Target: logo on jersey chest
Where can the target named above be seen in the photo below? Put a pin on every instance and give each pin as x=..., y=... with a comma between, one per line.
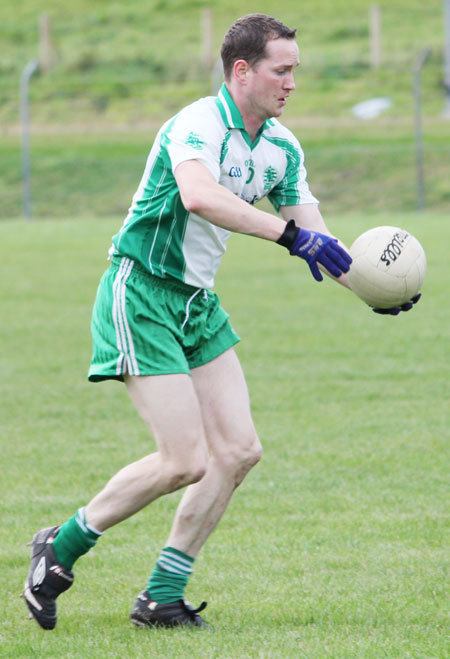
x=251, y=170
x=236, y=172
x=270, y=174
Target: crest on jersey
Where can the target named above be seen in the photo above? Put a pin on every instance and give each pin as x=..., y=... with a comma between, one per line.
x=195, y=141
x=270, y=176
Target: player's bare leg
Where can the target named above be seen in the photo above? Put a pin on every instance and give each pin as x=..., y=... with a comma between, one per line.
x=233, y=449
x=179, y=412
x=171, y=409
x=203, y=430
x=168, y=404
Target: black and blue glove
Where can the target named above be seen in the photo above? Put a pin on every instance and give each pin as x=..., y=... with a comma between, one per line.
x=315, y=248
x=394, y=311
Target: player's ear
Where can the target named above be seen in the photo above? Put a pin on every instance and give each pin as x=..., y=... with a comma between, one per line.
x=240, y=70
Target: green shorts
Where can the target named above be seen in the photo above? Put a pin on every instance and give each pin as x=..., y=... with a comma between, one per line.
x=145, y=325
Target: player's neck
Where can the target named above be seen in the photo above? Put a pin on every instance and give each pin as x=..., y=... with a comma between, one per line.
x=252, y=121
x=252, y=125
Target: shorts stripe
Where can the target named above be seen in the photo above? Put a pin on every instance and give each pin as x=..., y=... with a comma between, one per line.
x=124, y=339
x=188, y=305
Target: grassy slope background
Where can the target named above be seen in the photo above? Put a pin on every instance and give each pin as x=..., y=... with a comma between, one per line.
x=121, y=68
x=336, y=546
x=148, y=56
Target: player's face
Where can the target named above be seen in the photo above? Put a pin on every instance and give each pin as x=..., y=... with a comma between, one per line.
x=272, y=79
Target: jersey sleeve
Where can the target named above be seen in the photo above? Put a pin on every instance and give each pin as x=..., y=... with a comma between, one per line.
x=193, y=135
x=293, y=189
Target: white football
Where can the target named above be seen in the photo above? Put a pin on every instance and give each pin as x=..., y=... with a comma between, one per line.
x=388, y=267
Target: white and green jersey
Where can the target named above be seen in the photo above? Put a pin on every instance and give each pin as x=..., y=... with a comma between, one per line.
x=167, y=240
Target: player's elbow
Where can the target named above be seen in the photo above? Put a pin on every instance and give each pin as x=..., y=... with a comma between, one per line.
x=193, y=202
x=196, y=186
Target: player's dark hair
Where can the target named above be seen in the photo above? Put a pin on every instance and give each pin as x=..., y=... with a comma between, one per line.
x=247, y=38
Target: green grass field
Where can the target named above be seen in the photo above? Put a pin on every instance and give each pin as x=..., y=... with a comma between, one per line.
x=337, y=543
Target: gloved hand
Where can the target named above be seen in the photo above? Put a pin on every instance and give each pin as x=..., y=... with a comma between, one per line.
x=315, y=248
x=394, y=311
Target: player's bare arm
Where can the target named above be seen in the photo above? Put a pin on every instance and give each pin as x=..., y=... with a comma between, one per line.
x=202, y=195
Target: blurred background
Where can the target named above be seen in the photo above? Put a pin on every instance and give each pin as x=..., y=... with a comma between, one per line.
x=85, y=85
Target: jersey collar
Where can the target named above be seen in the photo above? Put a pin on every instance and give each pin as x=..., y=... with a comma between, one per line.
x=232, y=117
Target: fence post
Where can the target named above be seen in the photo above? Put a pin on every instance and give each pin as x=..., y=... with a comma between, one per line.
x=447, y=58
x=207, y=38
x=45, y=45
x=417, y=88
x=375, y=36
x=28, y=71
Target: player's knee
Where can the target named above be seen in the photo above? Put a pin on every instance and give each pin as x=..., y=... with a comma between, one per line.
x=250, y=457
x=186, y=471
x=243, y=457
x=195, y=472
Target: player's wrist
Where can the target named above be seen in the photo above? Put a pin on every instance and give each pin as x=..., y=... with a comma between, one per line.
x=289, y=235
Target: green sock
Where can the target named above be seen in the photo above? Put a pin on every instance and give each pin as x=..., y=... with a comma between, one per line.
x=170, y=576
x=74, y=539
